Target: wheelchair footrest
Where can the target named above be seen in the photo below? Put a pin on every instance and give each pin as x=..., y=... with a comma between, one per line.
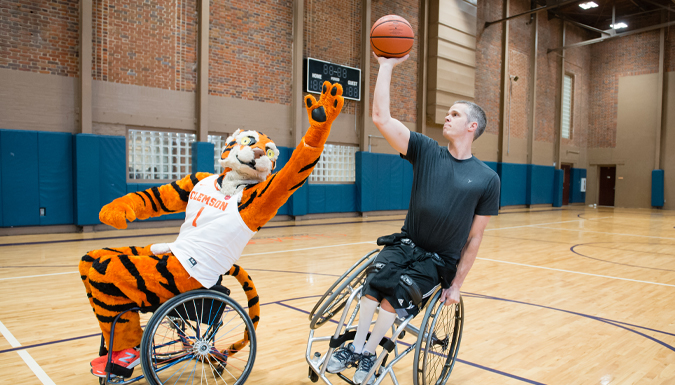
x=119, y=370
x=385, y=342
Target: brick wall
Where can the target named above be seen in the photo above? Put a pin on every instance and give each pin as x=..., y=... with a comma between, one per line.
x=40, y=37
x=627, y=56
x=669, y=65
x=251, y=50
x=548, y=79
x=489, y=63
x=404, y=80
x=137, y=42
x=333, y=34
x=578, y=64
x=521, y=40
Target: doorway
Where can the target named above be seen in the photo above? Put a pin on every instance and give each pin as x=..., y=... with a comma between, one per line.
x=607, y=185
x=567, y=178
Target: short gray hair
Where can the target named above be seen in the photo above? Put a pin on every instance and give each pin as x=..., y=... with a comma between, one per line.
x=475, y=113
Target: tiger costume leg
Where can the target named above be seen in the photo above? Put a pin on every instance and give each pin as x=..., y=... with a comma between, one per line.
x=120, y=279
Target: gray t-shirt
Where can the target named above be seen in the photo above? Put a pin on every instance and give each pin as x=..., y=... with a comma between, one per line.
x=446, y=194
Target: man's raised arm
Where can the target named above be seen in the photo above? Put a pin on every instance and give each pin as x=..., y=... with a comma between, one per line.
x=393, y=130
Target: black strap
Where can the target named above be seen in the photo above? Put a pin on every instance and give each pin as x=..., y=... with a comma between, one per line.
x=413, y=290
x=119, y=370
x=385, y=342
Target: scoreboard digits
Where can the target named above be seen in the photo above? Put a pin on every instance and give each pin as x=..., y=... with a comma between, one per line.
x=319, y=71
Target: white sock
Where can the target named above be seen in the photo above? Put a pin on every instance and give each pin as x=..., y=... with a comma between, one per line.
x=366, y=313
x=384, y=321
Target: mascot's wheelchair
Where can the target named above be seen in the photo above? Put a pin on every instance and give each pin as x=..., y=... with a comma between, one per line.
x=194, y=337
x=438, y=336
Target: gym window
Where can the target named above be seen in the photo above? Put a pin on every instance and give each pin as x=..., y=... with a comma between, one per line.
x=336, y=165
x=165, y=156
x=567, y=106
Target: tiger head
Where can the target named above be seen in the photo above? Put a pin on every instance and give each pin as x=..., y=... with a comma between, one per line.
x=251, y=154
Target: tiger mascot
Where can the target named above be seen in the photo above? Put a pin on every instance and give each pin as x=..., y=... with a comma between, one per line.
x=222, y=213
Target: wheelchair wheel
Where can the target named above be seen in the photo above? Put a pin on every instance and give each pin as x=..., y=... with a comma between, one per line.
x=438, y=342
x=335, y=298
x=197, y=337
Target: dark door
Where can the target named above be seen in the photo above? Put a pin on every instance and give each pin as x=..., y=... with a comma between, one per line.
x=567, y=168
x=607, y=183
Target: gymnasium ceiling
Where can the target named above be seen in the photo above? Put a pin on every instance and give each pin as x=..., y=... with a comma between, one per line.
x=635, y=13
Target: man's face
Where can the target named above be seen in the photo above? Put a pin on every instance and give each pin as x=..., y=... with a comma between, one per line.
x=456, y=123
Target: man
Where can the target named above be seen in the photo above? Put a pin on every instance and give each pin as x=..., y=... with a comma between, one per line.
x=452, y=197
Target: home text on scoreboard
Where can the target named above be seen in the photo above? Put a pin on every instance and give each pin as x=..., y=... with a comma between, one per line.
x=319, y=71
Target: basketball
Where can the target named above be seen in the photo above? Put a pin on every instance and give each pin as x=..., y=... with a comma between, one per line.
x=391, y=36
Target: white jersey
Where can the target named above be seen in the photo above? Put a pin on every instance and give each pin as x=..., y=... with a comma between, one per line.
x=213, y=236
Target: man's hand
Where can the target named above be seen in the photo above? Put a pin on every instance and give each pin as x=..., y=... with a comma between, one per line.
x=450, y=296
x=394, y=61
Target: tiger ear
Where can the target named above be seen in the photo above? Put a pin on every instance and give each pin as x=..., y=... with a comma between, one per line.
x=233, y=136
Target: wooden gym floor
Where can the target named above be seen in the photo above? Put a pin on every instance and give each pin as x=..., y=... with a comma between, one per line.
x=557, y=296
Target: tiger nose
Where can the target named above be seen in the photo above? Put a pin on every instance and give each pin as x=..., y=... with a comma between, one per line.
x=257, y=153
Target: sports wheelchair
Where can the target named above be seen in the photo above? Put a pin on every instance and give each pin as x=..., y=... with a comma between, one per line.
x=435, y=349
x=194, y=337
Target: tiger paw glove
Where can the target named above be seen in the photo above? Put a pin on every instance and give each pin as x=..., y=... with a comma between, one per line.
x=117, y=212
x=322, y=113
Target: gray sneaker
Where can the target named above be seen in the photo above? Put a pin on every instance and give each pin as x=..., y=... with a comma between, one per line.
x=365, y=364
x=342, y=358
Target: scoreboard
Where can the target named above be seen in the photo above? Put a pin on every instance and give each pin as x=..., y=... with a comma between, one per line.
x=319, y=71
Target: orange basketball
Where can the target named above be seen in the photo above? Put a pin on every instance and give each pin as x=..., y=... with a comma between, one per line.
x=391, y=36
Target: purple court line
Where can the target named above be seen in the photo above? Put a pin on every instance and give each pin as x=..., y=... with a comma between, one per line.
x=600, y=319
x=617, y=263
x=264, y=228
x=99, y=334
x=460, y=360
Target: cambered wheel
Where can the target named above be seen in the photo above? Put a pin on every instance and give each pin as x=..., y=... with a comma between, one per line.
x=336, y=296
x=197, y=337
x=438, y=342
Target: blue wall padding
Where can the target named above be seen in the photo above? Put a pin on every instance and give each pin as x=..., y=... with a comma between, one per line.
x=558, y=179
x=86, y=179
x=383, y=182
x=331, y=198
x=112, y=166
x=513, y=183
x=20, y=182
x=284, y=156
x=202, y=157
x=492, y=165
x=658, y=183
x=576, y=195
x=99, y=174
x=55, y=164
x=539, y=184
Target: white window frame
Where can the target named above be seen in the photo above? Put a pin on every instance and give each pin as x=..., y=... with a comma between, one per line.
x=567, y=126
x=170, y=152
x=337, y=165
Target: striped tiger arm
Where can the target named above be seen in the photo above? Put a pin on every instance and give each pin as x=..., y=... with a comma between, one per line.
x=153, y=202
x=261, y=202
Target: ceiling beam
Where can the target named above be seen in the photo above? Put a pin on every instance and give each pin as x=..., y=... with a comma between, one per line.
x=489, y=23
x=601, y=39
x=660, y=6
x=584, y=25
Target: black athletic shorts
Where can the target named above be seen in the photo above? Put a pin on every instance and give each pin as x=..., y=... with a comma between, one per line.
x=399, y=259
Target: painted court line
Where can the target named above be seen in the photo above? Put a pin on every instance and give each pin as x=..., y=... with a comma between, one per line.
x=41, y=375
x=541, y=224
x=308, y=248
x=41, y=275
x=577, y=272
x=601, y=232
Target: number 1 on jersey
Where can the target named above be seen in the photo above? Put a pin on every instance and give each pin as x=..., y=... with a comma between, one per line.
x=194, y=222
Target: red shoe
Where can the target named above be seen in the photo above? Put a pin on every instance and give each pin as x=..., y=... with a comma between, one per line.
x=127, y=358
